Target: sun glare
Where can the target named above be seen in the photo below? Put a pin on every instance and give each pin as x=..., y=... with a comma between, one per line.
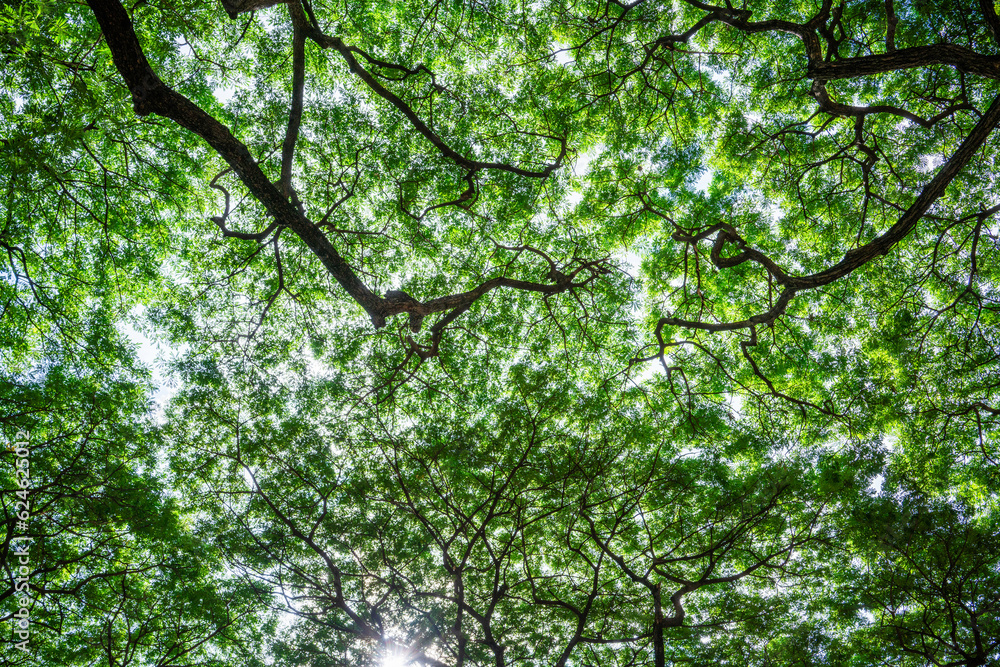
x=394, y=659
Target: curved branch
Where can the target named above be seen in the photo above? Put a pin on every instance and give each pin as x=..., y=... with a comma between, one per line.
x=347, y=51
x=767, y=317
x=959, y=57
x=930, y=193
x=853, y=259
x=298, y=87
x=220, y=220
x=834, y=108
x=991, y=18
x=151, y=96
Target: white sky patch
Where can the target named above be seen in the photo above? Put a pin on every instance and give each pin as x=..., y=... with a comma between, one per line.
x=394, y=657
x=8, y=276
x=876, y=486
x=631, y=261
x=735, y=402
x=929, y=163
x=646, y=372
x=701, y=185
x=150, y=354
x=183, y=47
x=718, y=76
x=248, y=478
x=581, y=167
x=562, y=53
x=223, y=94
x=890, y=441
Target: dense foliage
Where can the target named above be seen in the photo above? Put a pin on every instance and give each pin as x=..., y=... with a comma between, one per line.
x=495, y=333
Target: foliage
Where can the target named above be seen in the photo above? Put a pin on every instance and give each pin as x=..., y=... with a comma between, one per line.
x=566, y=333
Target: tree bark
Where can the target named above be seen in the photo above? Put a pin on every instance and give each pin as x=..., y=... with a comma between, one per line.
x=236, y=7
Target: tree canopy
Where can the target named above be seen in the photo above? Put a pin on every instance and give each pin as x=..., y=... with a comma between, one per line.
x=501, y=333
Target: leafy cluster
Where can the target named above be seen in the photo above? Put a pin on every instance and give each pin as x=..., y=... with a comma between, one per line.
x=561, y=333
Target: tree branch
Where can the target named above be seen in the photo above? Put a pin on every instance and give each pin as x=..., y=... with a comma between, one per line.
x=959, y=57
x=151, y=96
x=298, y=87
x=853, y=259
x=326, y=41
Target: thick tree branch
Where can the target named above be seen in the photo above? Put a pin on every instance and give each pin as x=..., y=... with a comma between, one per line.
x=298, y=88
x=930, y=193
x=151, y=96
x=830, y=67
x=853, y=259
x=960, y=57
x=890, y=26
x=989, y=12
x=834, y=108
x=326, y=41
